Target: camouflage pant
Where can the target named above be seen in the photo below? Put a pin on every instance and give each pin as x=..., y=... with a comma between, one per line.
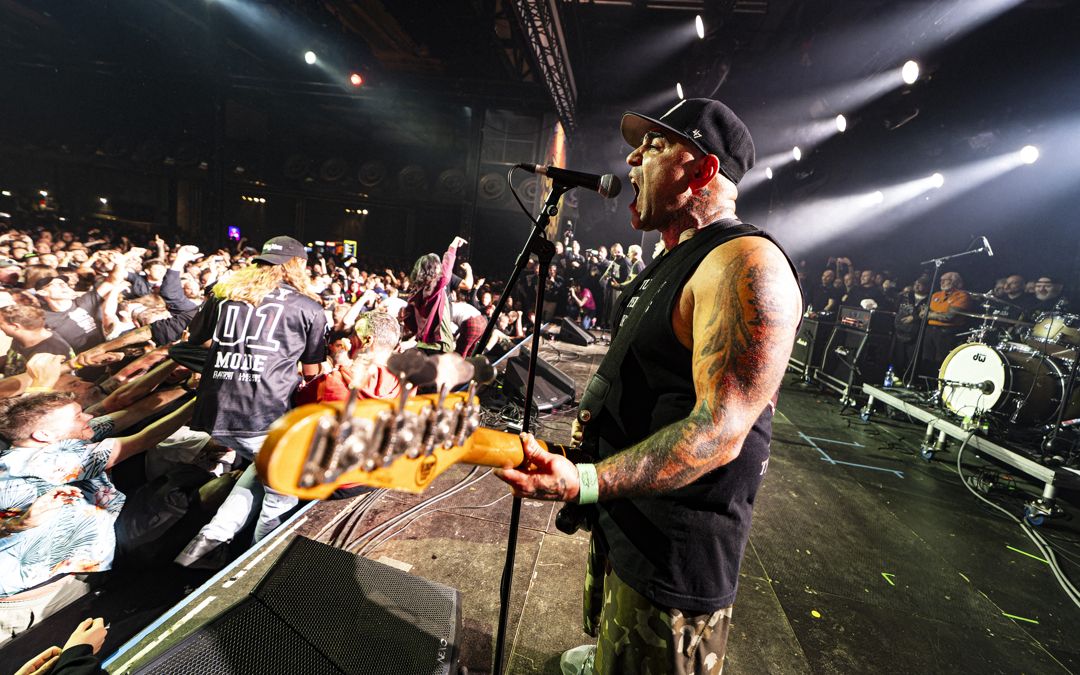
x=635, y=636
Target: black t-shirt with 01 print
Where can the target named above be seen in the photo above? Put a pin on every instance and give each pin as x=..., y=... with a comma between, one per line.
x=251, y=368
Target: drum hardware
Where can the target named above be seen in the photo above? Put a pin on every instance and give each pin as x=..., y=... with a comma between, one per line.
x=1056, y=334
x=992, y=318
x=1026, y=387
x=986, y=386
x=1068, y=395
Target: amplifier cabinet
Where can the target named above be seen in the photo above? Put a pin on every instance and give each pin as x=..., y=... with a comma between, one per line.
x=809, y=346
x=852, y=357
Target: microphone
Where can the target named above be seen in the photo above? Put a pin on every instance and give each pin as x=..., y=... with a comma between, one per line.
x=607, y=185
x=986, y=245
x=986, y=387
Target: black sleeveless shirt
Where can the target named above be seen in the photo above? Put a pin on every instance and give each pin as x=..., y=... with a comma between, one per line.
x=680, y=549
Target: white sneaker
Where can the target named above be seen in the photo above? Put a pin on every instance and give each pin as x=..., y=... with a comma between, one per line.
x=578, y=661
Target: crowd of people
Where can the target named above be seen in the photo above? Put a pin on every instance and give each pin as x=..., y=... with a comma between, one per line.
x=139, y=380
x=949, y=312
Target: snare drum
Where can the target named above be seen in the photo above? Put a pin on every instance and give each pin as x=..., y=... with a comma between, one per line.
x=1011, y=379
x=1057, y=335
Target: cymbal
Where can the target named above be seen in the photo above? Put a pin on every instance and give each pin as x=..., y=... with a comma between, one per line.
x=992, y=317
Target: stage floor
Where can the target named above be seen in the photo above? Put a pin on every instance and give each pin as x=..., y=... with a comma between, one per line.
x=863, y=557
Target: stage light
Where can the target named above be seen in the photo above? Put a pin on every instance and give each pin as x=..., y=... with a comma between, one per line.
x=937, y=180
x=768, y=172
x=841, y=123
x=43, y=193
x=6, y=193
x=876, y=197
x=796, y=153
x=1028, y=154
x=910, y=72
x=356, y=79
x=679, y=91
x=104, y=201
x=364, y=212
x=310, y=58
x=699, y=25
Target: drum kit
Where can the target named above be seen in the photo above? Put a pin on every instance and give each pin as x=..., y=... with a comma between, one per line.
x=1017, y=374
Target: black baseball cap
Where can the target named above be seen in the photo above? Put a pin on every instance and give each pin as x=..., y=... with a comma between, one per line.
x=280, y=250
x=709, y=125
x=45, y=281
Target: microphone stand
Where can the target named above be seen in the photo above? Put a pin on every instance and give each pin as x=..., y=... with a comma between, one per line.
x=937, y=263
x=544, y=251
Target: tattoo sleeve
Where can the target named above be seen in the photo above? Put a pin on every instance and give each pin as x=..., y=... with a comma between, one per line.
x=745, y=315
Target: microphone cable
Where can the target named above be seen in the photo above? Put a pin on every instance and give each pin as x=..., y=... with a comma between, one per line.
x=1044, y=547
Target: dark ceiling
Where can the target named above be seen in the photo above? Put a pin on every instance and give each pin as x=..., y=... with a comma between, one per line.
x=95, y=73
x=621, y=53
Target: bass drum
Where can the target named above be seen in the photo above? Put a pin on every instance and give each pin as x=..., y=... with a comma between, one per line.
x=1011, y=379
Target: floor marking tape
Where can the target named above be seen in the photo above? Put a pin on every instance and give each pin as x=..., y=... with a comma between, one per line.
x=888, y=577
x=1030, y=555
x=1019, y=618
x=835, y=441
x=826, y=458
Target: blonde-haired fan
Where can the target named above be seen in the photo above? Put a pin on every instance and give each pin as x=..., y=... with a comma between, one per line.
x=260, y=323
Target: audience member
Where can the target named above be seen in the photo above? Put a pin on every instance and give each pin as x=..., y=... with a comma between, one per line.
x=62, y=515
x=426, y=315
x=264, y=326
x=944, y=323
x=910, y=314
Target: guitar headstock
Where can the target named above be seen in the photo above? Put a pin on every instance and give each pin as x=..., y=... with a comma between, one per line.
x=403, y=444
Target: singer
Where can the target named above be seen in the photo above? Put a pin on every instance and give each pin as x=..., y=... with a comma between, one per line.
x=679, y=414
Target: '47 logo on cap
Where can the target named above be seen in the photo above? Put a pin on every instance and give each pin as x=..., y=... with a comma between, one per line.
x=696, y=133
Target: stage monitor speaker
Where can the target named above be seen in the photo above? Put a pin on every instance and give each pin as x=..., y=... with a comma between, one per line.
x=574, y=334
x=853, y=357
x=552, y=388
x=324, y=610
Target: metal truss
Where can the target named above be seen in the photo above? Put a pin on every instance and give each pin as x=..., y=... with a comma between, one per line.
x=539, y=22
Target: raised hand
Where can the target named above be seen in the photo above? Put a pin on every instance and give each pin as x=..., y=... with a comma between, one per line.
x=44, y=369
x=40, y=664
x=90, y=632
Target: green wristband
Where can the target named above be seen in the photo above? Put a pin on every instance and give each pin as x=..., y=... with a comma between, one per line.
x=589, y=486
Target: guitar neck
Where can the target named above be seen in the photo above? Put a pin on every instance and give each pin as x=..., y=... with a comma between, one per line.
x=488, y=447
x=311, y=450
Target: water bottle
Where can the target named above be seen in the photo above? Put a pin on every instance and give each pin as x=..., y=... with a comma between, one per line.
x=890, y=377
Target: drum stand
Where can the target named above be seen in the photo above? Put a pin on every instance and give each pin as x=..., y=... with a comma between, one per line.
x=1050, y=439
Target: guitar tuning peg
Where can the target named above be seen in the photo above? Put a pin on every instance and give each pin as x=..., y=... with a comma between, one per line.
x=452, y=370
x=413, y=367
x=483, y=371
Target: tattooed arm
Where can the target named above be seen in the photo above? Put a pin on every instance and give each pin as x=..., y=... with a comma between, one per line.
x=743, y=306
x=738, y=314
